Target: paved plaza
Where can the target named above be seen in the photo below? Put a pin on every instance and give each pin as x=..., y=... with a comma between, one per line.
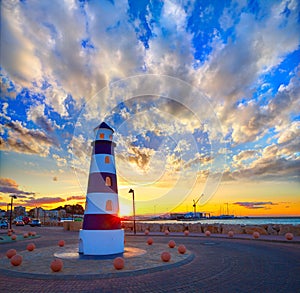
x=211, y=264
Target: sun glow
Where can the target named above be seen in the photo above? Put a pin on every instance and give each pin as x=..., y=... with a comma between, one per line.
x=125, y=210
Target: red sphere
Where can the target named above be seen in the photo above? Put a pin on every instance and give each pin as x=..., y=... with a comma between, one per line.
x=186, y=232
x=172, y=244
x=119, y=263
x=61, y=243
x=25, y=235
x=150, y=241
x=230, y=234
x=289, y=236
x=29, y=233
x=33, y=233
x=165, y=256
x=255, y=235
x=9, y=233
x=13, y=237
x=181, y=249
x=10, y=253
x=207, y=233
x=147, y=232
x=16, y=260
x=167, y=232
x=56, y=265
x=30, y=247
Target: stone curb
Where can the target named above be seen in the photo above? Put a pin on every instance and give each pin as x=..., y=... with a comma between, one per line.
x=119, y=274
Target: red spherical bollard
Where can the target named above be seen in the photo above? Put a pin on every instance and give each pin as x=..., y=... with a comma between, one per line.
x=167, y=232
x=119, y=263
x=207, y=233
x=230, y=234
x=9, y=233
x=25, y=235
x=150, y=241
x=10, y=253
x=172, y=244
x=13, y=237
x=33, y=233
x=186, y=232
x=181, y=249
x=61, y=243
x=56, y=265
x=255, y=235
x=30, y=247
x=29, y=233
x=165, y=256
x=289, y=236
x=16, y=260
x=147, y=232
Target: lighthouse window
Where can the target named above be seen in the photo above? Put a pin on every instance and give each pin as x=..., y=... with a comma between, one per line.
x=108, y=181
x=101, y=135
x=107, y=160
x=110, y=137
x=108, y=206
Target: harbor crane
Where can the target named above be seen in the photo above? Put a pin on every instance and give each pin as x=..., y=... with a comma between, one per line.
x=195, y=203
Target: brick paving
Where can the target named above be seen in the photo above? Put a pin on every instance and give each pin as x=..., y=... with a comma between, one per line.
x=219, y=265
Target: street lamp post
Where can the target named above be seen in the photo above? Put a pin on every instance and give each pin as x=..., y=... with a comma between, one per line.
x=133, y=207
x=11, y=206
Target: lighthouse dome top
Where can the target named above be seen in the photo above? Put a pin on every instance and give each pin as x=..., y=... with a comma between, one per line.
x=103, y=125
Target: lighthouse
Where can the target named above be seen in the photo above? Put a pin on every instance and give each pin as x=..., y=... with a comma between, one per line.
x=101, y=233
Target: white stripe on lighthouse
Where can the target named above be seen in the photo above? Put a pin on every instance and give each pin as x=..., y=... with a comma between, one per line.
x=103, y=163
x=98, y=202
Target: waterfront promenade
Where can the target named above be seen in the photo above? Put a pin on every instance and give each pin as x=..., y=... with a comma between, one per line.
x=219, y=264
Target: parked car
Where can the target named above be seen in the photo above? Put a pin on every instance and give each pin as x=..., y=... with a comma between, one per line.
x=3, y=224
x=19, y=223
x=35, y=223
x=26, y=220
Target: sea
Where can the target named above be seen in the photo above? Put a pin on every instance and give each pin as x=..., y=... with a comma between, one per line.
x=235, y=221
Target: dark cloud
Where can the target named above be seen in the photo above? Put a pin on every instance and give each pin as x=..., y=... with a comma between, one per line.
x=43, y=201
x=35, y=134
x=267, y=168
x=44, y=123
x=30, y=141
x=76, y=197
x=202, y=160
x=8, y=185
x=138, y=156
x=255, y=204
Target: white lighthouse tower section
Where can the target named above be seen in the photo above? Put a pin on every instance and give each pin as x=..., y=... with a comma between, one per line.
x=97, y=203
x=103, y=163
x=102, y=203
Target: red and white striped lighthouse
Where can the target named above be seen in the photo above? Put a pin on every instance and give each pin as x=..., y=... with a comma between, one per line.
x=101, y=233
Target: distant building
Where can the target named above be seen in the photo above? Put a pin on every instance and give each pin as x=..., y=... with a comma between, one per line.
x=19, y=211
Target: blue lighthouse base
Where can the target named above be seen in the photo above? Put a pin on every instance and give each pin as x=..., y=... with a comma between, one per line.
x=101, y=242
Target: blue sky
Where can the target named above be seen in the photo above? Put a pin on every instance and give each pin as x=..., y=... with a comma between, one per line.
x=68, y=65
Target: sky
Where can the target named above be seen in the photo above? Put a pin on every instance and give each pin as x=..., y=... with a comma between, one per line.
x=204, y=98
